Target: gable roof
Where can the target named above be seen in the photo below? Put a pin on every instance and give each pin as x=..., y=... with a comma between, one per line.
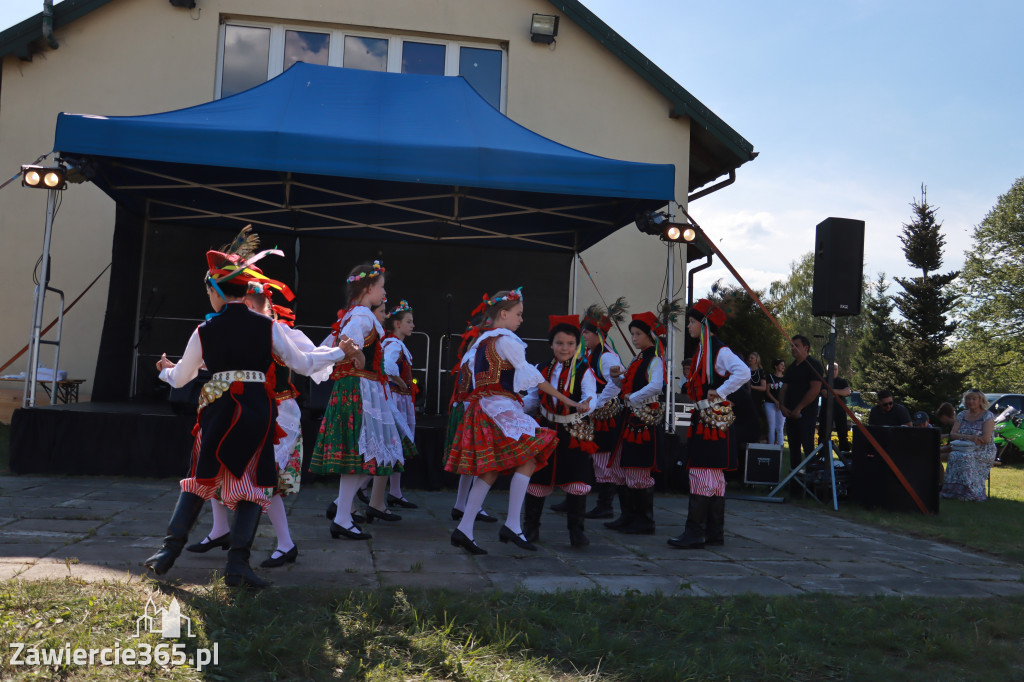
x=716, y=149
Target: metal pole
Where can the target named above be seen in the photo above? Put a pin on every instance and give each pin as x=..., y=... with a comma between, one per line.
x=32, y=371
x=670, y=347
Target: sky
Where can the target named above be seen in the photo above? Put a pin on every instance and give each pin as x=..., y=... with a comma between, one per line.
x=852, y=105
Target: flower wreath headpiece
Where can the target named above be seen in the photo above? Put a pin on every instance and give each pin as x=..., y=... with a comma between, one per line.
x=378, y=269
x=402, y=307
x=514, y=295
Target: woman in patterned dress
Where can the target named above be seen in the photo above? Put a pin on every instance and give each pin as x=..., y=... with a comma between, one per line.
x=968, y=468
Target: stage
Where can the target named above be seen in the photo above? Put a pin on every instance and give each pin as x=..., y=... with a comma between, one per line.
x=155, y=440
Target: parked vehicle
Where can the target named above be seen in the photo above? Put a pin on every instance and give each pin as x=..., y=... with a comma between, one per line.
x=1008, y=435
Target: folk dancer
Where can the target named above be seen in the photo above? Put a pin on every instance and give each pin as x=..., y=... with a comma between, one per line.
x=234, y=450
x=496, y=435
x=712, y=440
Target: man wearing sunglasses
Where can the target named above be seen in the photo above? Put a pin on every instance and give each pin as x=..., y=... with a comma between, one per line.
x=888, y=412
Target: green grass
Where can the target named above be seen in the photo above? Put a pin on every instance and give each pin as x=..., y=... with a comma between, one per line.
x=320, y=634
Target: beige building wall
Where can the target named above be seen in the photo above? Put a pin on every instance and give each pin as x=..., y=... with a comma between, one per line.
x=138, y=56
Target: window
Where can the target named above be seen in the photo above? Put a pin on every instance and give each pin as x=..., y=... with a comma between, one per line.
x=302, y=46
x=426, y=59
x=482, y=68
x=246, y=57
x=251, y=53
x=369, y=54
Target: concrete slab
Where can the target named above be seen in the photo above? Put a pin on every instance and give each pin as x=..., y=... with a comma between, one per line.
x=97, y=529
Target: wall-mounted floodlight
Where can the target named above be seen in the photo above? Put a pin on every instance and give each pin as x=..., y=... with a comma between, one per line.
x=543, y=28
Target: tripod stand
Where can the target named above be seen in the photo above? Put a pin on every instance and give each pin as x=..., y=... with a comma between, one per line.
x=826, y=445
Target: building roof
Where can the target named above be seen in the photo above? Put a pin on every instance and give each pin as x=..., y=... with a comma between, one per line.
x=716, y=149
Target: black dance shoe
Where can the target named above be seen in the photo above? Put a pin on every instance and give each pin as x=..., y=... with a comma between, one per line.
x=279, y=558
x=357, y=517
x=385, y=515
x=332, y=511
x=224, y=541
x=401, y=502
x=363, y=497
x=459, y=539
x=340, y=531
x=517, y=539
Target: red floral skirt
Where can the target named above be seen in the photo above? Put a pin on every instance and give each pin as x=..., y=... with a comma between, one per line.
x=479, y=446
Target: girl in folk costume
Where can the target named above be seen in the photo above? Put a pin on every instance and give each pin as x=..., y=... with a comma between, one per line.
x=234, y=452
x=287, y=447
x=715, y=373
x=635, y=454
x=463, y=386
x=361, y=434
x=495, y=434
x=398, y=366
x=602, y=358
x=569, y=468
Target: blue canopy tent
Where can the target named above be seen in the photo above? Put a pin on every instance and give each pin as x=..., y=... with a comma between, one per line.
x=362, y=156
x=367, y=155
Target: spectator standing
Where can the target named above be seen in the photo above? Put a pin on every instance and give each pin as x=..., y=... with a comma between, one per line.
x=799, y=398
x=840, y=389
x=758, y=387
x=887, y=412
x=772, y=406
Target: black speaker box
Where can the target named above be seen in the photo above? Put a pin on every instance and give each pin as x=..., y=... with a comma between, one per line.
x=763, y=464
x=915, y=451
x=838, y=267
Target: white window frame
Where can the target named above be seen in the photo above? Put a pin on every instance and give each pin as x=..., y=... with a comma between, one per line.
x=336, y=50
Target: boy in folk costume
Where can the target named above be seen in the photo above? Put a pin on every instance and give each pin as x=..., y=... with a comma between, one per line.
x=570, y=467
x=362, y=433
x=496, y=435
x=603, y=359
x=234, y=452
x=399, y=325
x=711, y=448
x=287, y=447
x=636, y=451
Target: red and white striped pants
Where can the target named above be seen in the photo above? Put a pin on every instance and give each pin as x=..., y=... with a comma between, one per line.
x=707, y=482
x=631, y=477
x=228, y=489
x=575, y=488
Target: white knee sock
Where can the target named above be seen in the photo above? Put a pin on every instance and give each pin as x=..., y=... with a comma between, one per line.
x=473, y=505
x=516, y=494
x=346, y=493
x=221, y=524
x=465, y=483
x=396, y=485
x=279, y=520
x=378, y=494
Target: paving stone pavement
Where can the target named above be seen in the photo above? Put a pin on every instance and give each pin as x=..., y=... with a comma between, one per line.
x=103, y=528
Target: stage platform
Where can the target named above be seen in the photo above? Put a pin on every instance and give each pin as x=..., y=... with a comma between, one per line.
x=155, y=440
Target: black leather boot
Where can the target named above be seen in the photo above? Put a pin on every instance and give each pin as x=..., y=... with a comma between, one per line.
x=696, y=520
x=715, y=535
x=243, y=532
x=186, y=511
x=605, y=496
x=575, y=515
x=533, y=507
x=643, y=518
x=625, y=509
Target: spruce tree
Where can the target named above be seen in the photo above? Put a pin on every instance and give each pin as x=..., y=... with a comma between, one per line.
x=872, y=359
x=923, y=370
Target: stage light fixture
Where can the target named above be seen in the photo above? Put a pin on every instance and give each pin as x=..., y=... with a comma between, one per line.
x=543, y=28
x=658, y=224
x=672, y=233
x=43, y=178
